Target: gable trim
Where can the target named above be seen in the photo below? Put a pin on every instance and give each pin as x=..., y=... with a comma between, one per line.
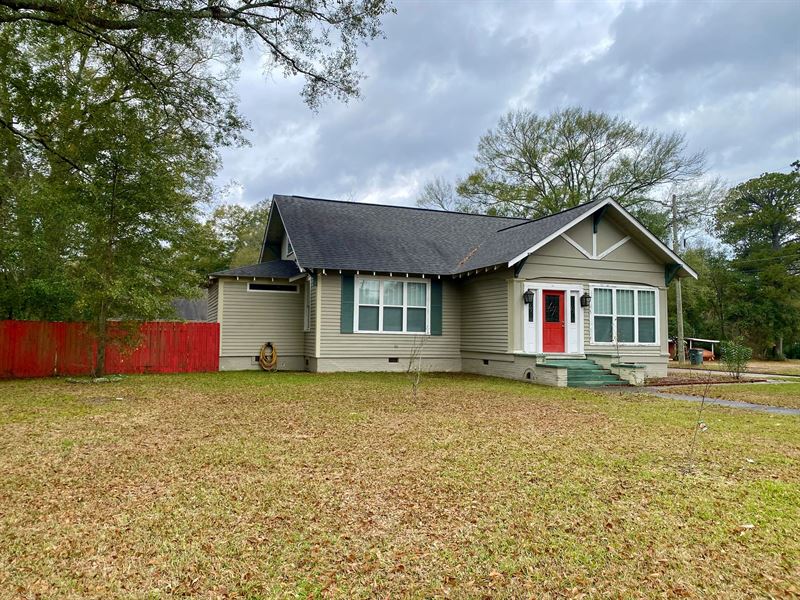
x=609, y=202
x=578, y=247
x=593, y=255
x=613, y=247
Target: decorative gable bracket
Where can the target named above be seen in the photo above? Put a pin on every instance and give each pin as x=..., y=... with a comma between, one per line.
x=670, y=270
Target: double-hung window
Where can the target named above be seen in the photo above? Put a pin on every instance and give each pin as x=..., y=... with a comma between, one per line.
x=647, y=316
x=392, y=306
x=623, y=315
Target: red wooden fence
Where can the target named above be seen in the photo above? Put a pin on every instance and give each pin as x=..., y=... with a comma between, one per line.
x=44, y=349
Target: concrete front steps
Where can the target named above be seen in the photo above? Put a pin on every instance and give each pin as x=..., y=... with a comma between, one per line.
x=582, y=372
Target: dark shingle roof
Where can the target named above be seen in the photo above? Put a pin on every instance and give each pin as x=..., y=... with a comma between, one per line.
x=280, y=269
x=331, y=234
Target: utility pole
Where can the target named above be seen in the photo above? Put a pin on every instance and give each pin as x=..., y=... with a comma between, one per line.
x=678, y=296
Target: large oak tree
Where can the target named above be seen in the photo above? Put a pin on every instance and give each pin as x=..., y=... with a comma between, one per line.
x=111, y=115
x=534, y=165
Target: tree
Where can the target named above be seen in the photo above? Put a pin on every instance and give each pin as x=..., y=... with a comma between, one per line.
x=760, y=219
x=110, y=119
x=533, y=166
x=111, y=230
x=708, y=301
x=762, y=213
x=177, y=56
x=440, y=194
x=241, y=231
x=687, y=208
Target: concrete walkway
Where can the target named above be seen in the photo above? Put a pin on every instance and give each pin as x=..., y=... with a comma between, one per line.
x=657, y=391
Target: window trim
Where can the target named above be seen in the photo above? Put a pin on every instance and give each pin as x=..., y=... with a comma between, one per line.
x=296, y=289
x=356, y=304
x=636, y=316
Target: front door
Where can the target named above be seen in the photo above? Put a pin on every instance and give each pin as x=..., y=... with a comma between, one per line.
x=553, y=322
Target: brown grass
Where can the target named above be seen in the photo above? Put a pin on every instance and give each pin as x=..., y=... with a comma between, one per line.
x=297, y=485
x=773, y=394
x=767, y=367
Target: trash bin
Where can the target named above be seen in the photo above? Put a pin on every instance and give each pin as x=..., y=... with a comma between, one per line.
x=696, y=356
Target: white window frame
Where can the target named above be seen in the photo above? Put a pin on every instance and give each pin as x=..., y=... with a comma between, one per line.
x=636, y=289
x=404, y=306
x=296, y=289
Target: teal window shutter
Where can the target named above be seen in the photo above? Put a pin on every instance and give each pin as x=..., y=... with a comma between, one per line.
x=436, y=307
x=348, y=296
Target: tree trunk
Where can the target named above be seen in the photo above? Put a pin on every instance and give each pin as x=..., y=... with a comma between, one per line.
x=678, y=294
x=107, y=277
x=102, y=340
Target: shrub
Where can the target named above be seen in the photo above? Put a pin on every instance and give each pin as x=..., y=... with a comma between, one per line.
x=735, y=355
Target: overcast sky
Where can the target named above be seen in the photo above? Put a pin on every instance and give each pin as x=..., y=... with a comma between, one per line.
x=726, y=73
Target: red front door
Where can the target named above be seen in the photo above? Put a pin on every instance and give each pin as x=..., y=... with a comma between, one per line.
x=553, y=322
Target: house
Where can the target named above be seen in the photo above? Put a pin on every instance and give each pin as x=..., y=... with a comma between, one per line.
x=578, y=297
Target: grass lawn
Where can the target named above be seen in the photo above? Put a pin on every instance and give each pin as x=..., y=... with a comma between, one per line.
x=299, y=485
x=769, y=367
x=778, y=394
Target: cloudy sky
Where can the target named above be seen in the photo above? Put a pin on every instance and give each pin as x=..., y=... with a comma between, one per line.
x=725, y=73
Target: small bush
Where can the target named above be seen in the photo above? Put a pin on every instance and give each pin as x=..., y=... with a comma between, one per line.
x=735, y=355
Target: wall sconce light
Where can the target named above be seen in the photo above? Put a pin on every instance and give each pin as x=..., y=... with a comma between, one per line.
x=528, y=298
x=586, y=299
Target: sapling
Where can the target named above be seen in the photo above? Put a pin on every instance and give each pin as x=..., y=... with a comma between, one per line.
x=414, y=370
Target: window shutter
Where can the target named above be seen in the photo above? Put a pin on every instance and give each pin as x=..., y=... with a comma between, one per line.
x=348, y=296
x=436, y=307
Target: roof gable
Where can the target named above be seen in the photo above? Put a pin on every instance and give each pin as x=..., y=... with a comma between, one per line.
x=646, y=238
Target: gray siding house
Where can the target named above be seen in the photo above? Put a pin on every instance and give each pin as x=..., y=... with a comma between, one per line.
x=576, y=298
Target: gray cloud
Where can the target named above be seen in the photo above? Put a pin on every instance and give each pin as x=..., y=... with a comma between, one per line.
x=726, y=74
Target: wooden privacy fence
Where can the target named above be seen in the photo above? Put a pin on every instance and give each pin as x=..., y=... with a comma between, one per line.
x=45, y=349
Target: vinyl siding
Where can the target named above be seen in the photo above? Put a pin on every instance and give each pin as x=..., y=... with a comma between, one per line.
x=250, y=319
x=559, y=261
x=629, y=263
x=334, y=344
x=213, y=294
x=484, y=313
x=582, y=234
x=309, y=337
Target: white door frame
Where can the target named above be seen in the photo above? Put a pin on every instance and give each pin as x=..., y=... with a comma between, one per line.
x=532, y=335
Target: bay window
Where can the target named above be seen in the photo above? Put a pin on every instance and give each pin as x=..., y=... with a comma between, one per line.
x=623, y=315
x=391, y=306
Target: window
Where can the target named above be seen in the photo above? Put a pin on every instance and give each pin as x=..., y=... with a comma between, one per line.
x=603, y=315
x=624, y=315
x=647, y=317
x=571, y=308
x=271, y=287
x=552, y=308
x=391, y=306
